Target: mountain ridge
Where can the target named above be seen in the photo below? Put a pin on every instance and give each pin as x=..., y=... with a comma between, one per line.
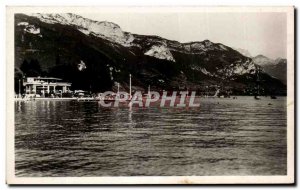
x=274, y=67
x=152, y=60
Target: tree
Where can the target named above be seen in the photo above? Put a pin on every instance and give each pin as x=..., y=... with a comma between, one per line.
x=32, y=68
x=18, y=81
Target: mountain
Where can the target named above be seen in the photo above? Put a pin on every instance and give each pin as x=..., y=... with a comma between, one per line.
x=95, y=55
x=263, y=60
x=244, y=52
x=106, y=30
x=275, y=68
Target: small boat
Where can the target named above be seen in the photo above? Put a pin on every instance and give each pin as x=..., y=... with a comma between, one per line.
x=273, y=97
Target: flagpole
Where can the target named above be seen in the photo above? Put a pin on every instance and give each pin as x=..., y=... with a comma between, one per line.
x=149, y=91
x=19, y=87
x=118, y=96
x=130, y=86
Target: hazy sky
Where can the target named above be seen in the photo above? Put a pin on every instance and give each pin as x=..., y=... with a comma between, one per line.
x=259, y=33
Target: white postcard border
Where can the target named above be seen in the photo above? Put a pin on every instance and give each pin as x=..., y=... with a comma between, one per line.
x=10, y=155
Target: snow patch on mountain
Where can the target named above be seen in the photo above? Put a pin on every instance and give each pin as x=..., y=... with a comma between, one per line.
x=29, y=28
x=32, y=29
x=204, y=46
x=23, y=24
x=238, y=68
x=81, y=66
x=222, y=47
x=247, y=67
x=86, y=32
x=161, y=80
x=203, y=70
x=160, y=52
x=195, y=46
x=104, y=29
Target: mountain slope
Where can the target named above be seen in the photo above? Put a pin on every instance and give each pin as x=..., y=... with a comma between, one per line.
x=275, y=68
x=95, y=55
x=244, y=52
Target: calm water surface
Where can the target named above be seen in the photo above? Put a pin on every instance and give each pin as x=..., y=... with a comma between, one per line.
x=222, y=137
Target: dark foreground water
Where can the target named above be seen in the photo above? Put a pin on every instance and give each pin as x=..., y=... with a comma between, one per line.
x=222, y=137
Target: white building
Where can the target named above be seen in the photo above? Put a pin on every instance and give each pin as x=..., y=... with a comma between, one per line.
x=42, y=85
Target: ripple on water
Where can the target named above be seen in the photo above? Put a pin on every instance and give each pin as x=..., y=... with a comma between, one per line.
x=223, y=137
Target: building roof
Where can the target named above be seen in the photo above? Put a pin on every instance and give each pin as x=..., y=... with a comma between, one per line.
x=49, y=78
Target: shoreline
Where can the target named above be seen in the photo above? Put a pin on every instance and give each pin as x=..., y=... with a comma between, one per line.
x=94, y=99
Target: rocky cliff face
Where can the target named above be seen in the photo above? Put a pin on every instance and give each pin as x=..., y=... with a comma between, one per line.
x=107, y=30
x=94, y=55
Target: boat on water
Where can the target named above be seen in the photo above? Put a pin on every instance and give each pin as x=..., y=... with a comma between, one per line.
x=273, y=97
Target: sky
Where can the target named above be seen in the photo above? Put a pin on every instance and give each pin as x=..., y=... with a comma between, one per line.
x=259, y=33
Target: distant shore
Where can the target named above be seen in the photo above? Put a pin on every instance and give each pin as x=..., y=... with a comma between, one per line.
x=97, y=99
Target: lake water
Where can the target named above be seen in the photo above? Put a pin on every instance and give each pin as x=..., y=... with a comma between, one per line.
x=223, y=137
